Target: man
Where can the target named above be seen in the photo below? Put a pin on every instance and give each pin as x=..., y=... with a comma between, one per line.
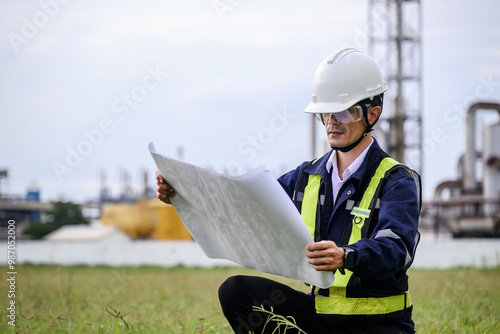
x=361, y=208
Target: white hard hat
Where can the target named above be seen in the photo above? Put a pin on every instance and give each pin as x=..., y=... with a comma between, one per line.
x=343, y=79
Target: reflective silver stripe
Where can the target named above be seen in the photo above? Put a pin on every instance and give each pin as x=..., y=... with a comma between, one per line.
x=377, y=203
x=299, y=196
x=416, y=178
x=360, y=212
x=390, y=234
x=387, y=233
x=417, y=240
x=408, y=258
x=349, y=204
x=322, y=199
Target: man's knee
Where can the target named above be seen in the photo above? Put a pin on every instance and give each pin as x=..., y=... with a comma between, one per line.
x=231, y=289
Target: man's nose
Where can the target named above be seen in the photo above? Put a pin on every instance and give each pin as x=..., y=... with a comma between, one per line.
x=332, y=119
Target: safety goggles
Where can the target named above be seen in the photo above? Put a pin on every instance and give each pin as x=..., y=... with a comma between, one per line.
x=351, y=115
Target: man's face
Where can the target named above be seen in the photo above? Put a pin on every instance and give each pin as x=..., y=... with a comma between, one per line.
x=343, y=134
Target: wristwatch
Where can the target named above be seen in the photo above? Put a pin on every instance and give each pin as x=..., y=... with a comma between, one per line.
x=350, y=257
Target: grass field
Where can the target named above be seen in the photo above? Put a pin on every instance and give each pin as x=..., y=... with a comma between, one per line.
x=53, y=299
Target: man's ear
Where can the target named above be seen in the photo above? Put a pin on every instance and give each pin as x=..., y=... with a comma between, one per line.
x=374, y=114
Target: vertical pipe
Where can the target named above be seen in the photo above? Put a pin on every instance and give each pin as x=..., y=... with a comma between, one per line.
x=470, y=184
x=400, y=113
x=470, y=151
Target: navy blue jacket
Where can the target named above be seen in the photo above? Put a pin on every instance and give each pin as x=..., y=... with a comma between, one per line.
x=388, y=250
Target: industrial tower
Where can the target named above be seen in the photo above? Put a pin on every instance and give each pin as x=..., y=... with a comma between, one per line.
x=394, y=35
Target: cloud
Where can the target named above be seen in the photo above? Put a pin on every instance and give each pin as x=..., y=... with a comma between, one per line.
x=226, y=76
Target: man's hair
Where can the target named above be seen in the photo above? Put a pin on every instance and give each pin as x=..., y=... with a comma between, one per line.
x=376, y=101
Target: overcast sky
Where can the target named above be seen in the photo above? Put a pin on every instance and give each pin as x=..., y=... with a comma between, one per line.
x=86, y=85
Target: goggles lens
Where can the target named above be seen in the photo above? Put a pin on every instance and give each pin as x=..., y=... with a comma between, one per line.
x=351, y=115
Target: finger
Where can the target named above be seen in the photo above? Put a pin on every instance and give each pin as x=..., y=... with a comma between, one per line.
x=319, y=245
x=312, y=247
x=321, y=260
x=166, y=189
x=323, y=264
x=163, y=197
x=324, y=261
x=163, y=185
x=170, y=190
x=316, y=261
x=159, y=177
x=162, y=191
x=315, y=254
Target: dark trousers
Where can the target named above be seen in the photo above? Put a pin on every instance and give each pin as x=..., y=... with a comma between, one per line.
x=238, y=294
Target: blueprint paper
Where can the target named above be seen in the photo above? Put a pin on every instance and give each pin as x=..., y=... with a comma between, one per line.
x=247, y=219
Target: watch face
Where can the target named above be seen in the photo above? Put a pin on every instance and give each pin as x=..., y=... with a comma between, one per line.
x=350, y=258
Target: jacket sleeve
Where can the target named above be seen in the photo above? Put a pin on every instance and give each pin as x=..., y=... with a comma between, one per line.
x=391, y=246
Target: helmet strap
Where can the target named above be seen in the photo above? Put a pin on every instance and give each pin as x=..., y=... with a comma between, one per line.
x=353, y=145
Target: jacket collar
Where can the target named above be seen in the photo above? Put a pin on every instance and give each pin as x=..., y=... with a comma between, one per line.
x=318, y=166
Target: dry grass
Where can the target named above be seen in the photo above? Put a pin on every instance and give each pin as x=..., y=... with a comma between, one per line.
x=54, y=299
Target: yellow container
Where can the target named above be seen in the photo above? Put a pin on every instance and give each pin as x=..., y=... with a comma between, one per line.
x=146, y=219
x=169, y=225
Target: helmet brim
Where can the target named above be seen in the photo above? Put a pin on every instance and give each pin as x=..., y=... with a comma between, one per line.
x=326, y=107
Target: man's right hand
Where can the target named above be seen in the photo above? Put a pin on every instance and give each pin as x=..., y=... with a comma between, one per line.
x=165, y=190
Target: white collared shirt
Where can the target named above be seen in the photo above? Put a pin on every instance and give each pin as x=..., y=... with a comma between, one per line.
x=331, y=166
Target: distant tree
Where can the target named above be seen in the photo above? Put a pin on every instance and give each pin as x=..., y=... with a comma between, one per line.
x=66, y=213
x=62, y=213
x=39, y=230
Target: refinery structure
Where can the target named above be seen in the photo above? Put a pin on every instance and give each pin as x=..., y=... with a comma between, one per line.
x=469, y=206
x=465, y=206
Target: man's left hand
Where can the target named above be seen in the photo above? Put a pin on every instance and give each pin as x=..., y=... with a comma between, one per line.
x=325, y=255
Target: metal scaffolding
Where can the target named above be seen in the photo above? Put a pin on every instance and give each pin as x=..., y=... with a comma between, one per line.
x=394, y=31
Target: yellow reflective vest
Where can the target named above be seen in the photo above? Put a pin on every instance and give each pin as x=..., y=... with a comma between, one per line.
x=337, y=300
